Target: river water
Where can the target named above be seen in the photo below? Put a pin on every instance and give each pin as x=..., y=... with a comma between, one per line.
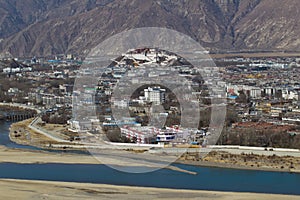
x=207, y=178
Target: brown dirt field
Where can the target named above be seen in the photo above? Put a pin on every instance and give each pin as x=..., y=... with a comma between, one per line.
x=246, y=161
x=255, y=55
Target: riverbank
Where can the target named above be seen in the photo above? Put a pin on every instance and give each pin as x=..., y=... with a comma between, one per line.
x=21, y=133
x=28, y=189
x=24, y=156
x=243, y=161
x=226, y=158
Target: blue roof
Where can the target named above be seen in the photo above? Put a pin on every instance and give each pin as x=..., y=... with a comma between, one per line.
x=233, y=97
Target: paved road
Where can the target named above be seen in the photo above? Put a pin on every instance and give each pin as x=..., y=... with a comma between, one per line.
x=233, y=150
x=33, y=126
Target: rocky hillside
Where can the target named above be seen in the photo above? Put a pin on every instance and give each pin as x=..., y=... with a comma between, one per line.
x=45, y=27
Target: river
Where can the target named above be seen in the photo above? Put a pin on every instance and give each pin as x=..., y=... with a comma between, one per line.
x=207, y=178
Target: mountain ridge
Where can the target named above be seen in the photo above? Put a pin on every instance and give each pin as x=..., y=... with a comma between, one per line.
x=41, y=27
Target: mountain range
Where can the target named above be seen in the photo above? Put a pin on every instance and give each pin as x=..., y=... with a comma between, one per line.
x=51, y=27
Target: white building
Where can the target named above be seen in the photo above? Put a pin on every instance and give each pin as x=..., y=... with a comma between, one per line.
x=121, y=103
x=255, y=92
x=16, y=70
x=13, y=90
x=142, y=135
x=269, y=91
x=155, y=95
x=289, y=94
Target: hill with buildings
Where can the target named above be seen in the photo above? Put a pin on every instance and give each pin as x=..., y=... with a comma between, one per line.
x=47, y=27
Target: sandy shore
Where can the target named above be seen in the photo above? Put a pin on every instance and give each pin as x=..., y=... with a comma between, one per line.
x=31, y=156
x=27, y=189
